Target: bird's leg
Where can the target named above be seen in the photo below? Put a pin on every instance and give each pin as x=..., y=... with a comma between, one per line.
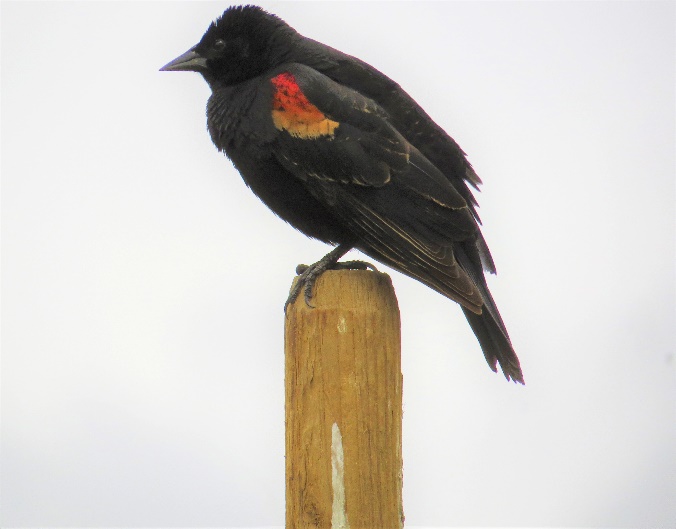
x=308, y=274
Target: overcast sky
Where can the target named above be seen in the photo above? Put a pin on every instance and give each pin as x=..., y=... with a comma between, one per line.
x=143, y=283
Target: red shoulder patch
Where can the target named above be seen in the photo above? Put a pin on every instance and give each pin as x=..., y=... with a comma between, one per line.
x=293, y=112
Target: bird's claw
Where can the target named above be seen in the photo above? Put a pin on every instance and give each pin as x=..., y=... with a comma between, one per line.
x=341, y=265
x=308, y=275
x=353, y=265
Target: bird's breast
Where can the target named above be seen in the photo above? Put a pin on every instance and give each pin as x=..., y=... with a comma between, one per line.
x=236, y=118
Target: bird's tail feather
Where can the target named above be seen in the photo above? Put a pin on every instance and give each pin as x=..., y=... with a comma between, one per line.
x=495, y=344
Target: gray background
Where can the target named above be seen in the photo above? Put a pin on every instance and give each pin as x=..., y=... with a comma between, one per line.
x=142, y=285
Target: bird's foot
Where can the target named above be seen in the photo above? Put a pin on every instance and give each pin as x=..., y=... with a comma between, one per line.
x=308, y=274
x=341, y=265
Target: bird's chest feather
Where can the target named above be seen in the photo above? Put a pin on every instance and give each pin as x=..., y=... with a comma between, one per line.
x=237, y=118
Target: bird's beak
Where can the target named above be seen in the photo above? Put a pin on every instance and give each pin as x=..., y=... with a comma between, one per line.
x=190, y=61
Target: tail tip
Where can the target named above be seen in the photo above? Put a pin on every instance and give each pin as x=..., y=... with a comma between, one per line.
x=514, y=374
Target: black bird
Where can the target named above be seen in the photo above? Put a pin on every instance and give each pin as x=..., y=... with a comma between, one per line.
x=343, y=154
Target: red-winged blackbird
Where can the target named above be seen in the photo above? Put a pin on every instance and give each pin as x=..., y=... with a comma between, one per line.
x=343, y=154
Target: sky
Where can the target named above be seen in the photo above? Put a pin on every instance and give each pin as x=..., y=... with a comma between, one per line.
x=143, y=283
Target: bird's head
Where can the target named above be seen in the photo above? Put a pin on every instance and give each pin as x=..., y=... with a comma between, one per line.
x=242, y=43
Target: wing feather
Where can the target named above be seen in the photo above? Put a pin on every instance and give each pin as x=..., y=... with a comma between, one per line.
x=401, y=209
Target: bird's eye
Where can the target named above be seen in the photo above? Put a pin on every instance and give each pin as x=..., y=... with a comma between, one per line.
x=219, y=45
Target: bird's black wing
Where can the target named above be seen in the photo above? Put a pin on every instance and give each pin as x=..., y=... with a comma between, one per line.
x=399, y=206
x=406, y=116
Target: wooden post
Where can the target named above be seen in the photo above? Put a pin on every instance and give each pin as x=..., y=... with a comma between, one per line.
x=343, y=405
